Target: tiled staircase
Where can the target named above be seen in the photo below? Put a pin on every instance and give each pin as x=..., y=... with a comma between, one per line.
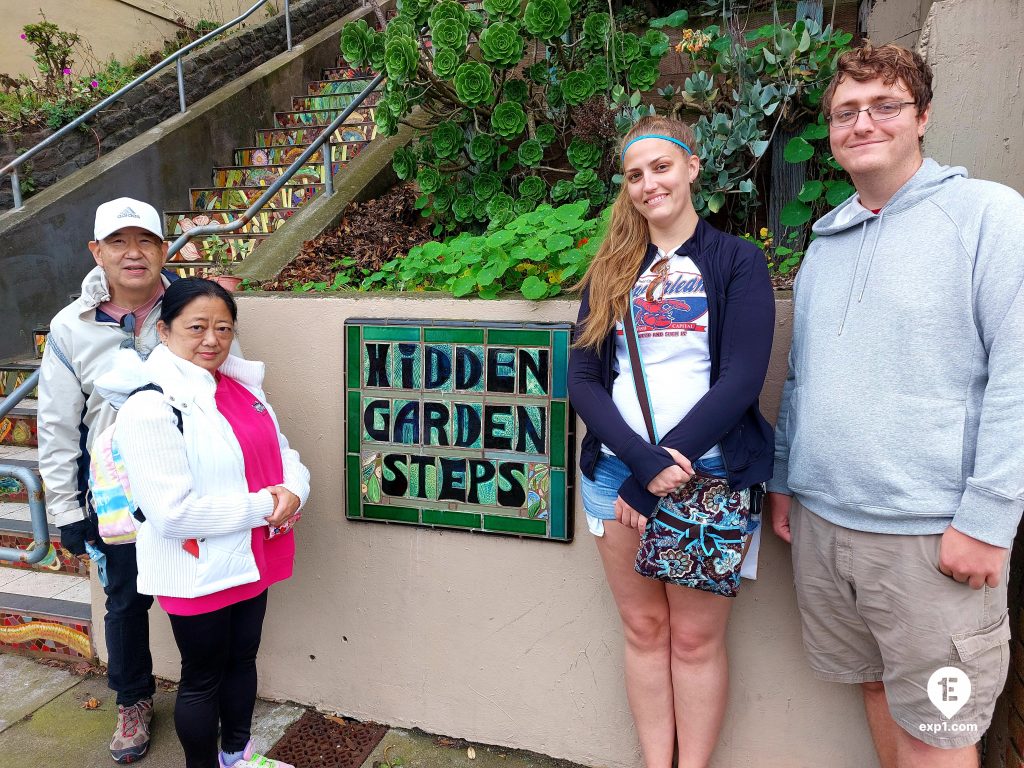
x=235, y=187
x=44, y=608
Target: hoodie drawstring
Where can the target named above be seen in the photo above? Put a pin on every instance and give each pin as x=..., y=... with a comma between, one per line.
x=871, y=256
x=853, y=278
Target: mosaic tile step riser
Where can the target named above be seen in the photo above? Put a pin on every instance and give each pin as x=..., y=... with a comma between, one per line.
x=272, y=137
x=45, y=636
x=310, y=117
x=323, y=87
x=242, y=197
x=18, y=430
x=238, y=248
x=267, y=174
x=10, y=379
x=336, y=101
x=288, y=154
x=57, y=560
x=12, y=490
x=347, y=73
x=263, y=223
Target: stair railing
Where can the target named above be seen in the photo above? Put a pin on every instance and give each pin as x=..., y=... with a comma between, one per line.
x=37, y=509
x=323, y=140
x=176, y=57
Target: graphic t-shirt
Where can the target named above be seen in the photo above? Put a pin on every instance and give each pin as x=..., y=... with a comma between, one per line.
x=672, y=331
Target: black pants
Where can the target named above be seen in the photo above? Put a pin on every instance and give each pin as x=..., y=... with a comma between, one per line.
x=218, y=678
x=129, y=663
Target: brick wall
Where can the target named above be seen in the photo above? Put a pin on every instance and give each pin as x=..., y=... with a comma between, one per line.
x=205, y=70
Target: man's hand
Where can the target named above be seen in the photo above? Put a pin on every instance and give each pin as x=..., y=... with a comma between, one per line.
x=672, y=477
x=74, y=535
x=779, y=505
x=967, y=560
x=286, y=504
x=628, y=516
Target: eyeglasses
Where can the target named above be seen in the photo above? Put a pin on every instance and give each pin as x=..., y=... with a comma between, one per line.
x=128, y=326
x=656, y=288
x=877, y=112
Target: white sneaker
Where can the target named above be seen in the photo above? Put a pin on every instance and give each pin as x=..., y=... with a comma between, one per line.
x=252, y=759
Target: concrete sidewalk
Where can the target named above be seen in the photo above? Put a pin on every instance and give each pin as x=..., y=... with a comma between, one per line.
x=47, y=719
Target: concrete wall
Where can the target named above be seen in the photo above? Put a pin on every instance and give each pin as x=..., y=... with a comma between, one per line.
x=43, y=254
x=118, y=28
x=500, y=640
x=896, y=21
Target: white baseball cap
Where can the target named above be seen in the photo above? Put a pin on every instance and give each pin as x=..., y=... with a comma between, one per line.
x=126, y=212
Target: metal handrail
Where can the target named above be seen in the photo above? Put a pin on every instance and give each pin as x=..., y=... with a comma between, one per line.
x=40, y=546
x=19, y=393
x=176, y=57
x=328, y=161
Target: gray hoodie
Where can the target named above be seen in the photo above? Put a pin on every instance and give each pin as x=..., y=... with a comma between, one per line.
x=903, y=411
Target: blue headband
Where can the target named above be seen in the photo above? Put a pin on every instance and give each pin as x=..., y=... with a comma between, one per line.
x=654, y=136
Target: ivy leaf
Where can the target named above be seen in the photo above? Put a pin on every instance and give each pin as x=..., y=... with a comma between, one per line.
x=811, y=191
x=838, y=192
x=534, y=288
x=716, y=201
x=798, y=150
x=795, y=214
x=677, y=19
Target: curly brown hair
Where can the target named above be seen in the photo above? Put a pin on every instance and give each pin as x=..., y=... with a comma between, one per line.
x=890, y=62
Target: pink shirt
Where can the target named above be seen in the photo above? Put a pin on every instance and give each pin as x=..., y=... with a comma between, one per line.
x=116, y=312
x=257, y=435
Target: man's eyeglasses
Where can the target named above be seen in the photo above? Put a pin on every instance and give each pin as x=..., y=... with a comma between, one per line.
x=128, y=326
x=888, y=110
x=656, y=288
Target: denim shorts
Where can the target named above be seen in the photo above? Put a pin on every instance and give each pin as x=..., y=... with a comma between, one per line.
x=610, y=473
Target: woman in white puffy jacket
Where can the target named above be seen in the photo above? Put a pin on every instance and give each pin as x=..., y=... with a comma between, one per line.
x=219, y=488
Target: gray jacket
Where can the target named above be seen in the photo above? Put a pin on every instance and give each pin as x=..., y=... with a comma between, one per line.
x=903, y=411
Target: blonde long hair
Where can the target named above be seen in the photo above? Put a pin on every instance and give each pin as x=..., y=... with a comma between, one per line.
x=613, y=271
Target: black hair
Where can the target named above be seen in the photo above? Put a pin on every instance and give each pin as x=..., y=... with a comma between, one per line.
x=183, y=292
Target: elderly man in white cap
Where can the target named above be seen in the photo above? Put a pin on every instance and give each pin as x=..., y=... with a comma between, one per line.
x=119, y=308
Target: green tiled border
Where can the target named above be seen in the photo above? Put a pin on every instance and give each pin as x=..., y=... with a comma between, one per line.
x=554, y=336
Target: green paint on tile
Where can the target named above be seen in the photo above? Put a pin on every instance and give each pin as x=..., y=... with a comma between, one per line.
x=454, y=335
x=391, y=333
x=352, y=479
x=519, y=338
x=561, y=364
x=354, y=365
x=457, y=519
x=354, y=422
x=515, y=525
x=558, y=505
x=398, y=514
x=558, y=434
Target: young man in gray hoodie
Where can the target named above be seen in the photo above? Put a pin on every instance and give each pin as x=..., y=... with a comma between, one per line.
x=899, y=462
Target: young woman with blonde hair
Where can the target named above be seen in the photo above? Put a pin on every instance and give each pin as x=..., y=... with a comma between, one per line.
x=702, y=308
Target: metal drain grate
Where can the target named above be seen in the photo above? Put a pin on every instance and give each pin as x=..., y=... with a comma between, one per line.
x=314, y=741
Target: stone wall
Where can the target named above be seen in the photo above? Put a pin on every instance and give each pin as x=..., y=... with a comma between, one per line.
x=205, y=70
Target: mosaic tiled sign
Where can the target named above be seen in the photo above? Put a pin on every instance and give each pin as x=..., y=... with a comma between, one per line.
x=460, y=425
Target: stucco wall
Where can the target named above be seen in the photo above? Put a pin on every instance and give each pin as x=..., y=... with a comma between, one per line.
x=118, y=28
x=896, y=21
x=974, y=49
x=502, y=640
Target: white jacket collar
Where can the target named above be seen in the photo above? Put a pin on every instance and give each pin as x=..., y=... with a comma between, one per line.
x=96, y=290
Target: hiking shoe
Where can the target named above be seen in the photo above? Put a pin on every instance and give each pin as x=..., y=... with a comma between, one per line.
x=131, y=734
x=251, y=759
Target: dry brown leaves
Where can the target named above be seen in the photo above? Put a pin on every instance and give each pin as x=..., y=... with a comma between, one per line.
x=372, y=233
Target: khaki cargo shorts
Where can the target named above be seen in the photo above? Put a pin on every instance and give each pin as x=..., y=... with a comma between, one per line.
x=875, y=607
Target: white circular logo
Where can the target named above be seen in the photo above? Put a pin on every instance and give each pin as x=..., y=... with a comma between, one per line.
x=949, y=689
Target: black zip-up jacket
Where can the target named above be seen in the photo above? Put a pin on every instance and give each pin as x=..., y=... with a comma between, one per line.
x=741, y=324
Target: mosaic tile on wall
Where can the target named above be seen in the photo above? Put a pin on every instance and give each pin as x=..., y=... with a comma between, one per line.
x=39, y=340
x=460, y=425
x=11, y=378
x=58, y=559
x=228, y=198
